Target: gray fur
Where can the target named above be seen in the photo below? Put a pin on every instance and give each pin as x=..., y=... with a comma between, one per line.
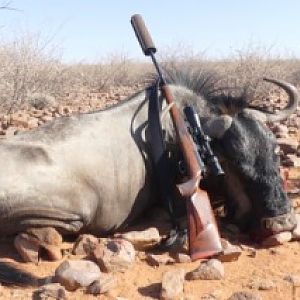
x=92, y=172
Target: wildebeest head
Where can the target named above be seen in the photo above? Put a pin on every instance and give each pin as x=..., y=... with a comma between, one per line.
x=247, y=149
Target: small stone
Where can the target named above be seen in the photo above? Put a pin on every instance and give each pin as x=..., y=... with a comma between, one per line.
x=229, y=252
x=36, y=113
x=32, y=123
x=296, y=202
x=293, y=191
x=296, y=231
x=291, y=160
x=208, y=270
x=85, y=244
x=261, y=284
x=172, y=284
x=11, y=131
x=275, y=251
x=251, y=252
x=182, y=258
x=288, y=145
x=47, y=118
x=293, y=279
x=50, y=291
x=277, y=239
x=102, y=285
x=244, y=296
x=64, y=110
x=208, y=297
x=293, y=130
x=142, y=240
x=19, y=119
x=281, y=130
x=159, y=259
x=73, y=274
x=114, y=255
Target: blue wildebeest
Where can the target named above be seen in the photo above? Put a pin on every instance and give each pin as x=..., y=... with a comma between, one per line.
x=92, y=172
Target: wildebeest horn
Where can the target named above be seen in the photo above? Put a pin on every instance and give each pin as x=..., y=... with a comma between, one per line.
x=217, y=126
x=286, y=111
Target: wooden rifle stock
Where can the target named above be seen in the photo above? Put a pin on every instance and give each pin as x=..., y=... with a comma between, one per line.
x=204, y=239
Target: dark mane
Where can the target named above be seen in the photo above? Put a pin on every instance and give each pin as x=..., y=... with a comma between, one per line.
x=202, y=82
x=209, y=85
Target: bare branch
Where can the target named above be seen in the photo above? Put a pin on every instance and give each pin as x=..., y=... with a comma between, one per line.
x=6, y=5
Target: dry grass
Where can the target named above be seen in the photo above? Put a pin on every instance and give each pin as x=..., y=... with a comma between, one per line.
x=31, y=72
x=28, y=66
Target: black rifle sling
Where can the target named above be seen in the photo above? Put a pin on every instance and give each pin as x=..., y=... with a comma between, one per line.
x=162, y=169
x=159, y=153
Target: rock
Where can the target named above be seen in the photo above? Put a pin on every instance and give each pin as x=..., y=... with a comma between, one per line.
x=281, y=130
x=251, y=252
x=50, y=291
x=19, y=119
x=294, y=191
x=32, y=123
x=46, y=235
x=11, y=131
x=159, y=259
x=293, y=279
x=61, y=110
x=229, y=252
x=73, y=274
x=114, y=255
x=208, y=270
x=296, y=231
x=244, y=296
x=277, y=239
x=102, y=285
x=28, y=251
x=216, y=294
x=208, y=297
x=29, y=243
x=47, y=118
x=35, y=113
x=261, y=284
x=182, y=258
x=142, y=240
x=172, y=284
x=288, y=145
x=291, y=160
x=293, y=130
x=296, y=203
x=275, y=251
x=85, y=245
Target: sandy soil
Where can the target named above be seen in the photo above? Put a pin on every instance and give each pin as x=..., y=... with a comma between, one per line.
x=143, y=281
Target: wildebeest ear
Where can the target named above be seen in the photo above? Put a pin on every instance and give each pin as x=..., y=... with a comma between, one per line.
x=217, y=126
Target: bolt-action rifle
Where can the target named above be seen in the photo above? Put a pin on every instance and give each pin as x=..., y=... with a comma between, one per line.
x=204, y=239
